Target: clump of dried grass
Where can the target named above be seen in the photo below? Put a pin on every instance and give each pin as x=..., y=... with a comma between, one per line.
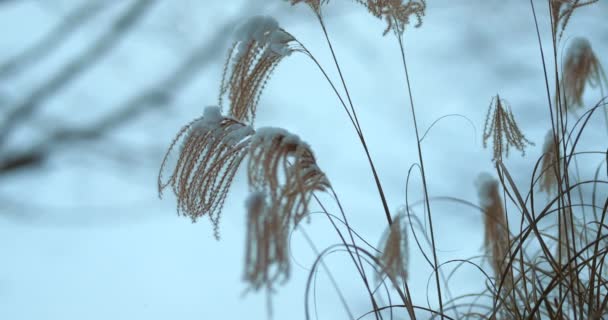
x=581, y=67
x=282, y=172
x=282, y=169
x=283, y=175
x=500, y=125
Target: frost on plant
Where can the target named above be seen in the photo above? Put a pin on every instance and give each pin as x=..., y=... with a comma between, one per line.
x=260, y=44
x=211, y=150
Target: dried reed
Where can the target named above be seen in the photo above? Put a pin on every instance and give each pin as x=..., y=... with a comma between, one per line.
x=500, y=125
x=284, y=167
x=581, y=67
x=283, y=174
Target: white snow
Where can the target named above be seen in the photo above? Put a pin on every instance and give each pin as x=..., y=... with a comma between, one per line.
x=483, y=183
x=266, y=34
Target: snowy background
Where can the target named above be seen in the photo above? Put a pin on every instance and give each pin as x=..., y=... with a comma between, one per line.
x=83, y=234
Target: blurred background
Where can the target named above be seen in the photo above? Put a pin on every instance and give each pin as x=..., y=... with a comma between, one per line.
x=93, y=92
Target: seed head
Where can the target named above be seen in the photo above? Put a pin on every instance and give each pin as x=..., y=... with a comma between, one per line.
x=395, y=252
x=260, y=44
x=496, y=236
x=562, y=10
x=548, y=180
x=284, y=168
x=212, y=147
x=581, y=67
x=282, y=174
x=500, y=125
x=315, y=5
x=396, y=13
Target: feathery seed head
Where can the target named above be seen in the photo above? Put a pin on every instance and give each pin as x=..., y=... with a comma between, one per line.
x=548, y=180
x=581, y=67
x=500, y=125
x=561, y=12
x=396, y=13
x=284, y=167
x=395, y=251
x=282, y=174
x=260, y=44
x=496, y=235
x=266, y=253
x=315, y=5
x=211, y=150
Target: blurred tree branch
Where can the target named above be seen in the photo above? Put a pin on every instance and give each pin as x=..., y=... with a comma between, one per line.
x=54, y=38
x=71, y=70
x=161, y=94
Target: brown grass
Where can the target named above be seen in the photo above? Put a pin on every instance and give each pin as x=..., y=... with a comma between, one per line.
x=540, y=269
x=581, y=68
x=211, y=150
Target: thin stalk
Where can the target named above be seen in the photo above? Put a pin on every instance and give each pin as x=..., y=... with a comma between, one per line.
x=358, y=126
x=424, y=184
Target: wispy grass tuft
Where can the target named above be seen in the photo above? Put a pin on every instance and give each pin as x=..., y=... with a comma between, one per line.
x=501, y=126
